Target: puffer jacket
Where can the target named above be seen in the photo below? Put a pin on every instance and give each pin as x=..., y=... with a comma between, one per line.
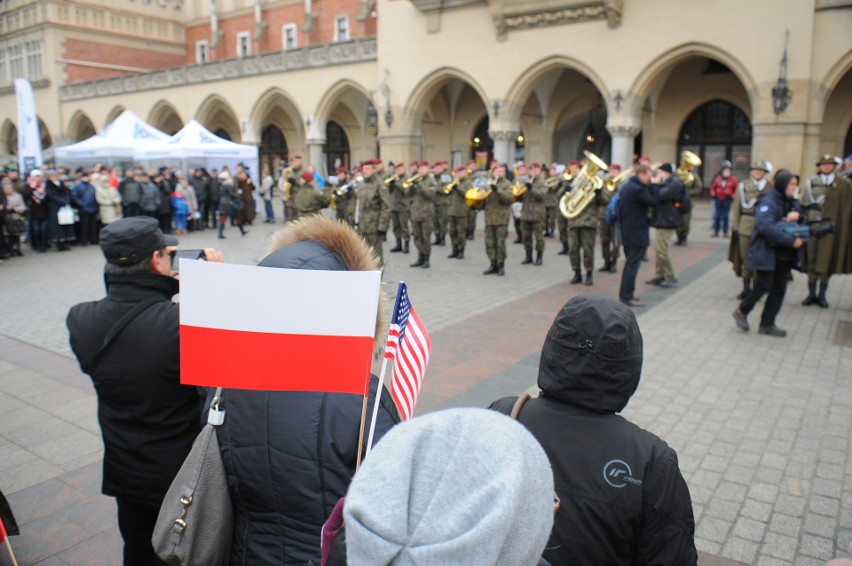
x=290, y=456
x=768, y=239
x=623, y=498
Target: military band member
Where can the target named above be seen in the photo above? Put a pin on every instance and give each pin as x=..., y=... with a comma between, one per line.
x=472, y=171
x=533, y=215
x=521, y=177
x=609, y=234
x=551, y=207
x=582, y=232
x=561, y=221
x=832, y=253
x=345, y=202
x=693, y=190
x=374, y=208
x=306, y=199
x=441, y=222
x=400, y=210
x=497, y=220
x=748, y=193
x=458, y=211
x=422, y=192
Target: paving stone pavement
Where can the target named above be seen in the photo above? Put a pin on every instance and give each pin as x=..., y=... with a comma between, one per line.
x=761, y=425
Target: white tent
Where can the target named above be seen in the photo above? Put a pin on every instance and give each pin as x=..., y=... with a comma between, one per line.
x=116, y=144
x=196, y=146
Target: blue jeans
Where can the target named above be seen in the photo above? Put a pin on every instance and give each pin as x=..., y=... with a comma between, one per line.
x=267, y=205
x=721, y=211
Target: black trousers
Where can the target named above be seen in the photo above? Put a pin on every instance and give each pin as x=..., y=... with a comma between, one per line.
x=631, y=270
x=88, y=228
x=772, y=282
x=136, y=523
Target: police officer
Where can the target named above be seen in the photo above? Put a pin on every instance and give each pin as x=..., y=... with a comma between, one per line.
x=441, y=222
x=533, y=215
x=458, y=211
x=748, y=193
x=497, y=214
x=831, y=194
x=609, y=234
x=374, y=211
x=400, y=210
x=422, y=193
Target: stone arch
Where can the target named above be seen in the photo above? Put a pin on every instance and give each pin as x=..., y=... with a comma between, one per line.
x=836, y=112
x=44, y=132
x=80, y=127
x=215, y=113
x=665, y=63
x=348, y=93
x=276, y=115
x=346, y=104
x=113, y=114
x=277, y=99
x=165, y=117
x=9, y=138
x=430, y=85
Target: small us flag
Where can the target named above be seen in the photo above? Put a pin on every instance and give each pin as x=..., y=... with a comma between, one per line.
x=408, y=346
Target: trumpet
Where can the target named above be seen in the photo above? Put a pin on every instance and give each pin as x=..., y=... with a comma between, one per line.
x=553, y=182
x=612, y=184
x=391, y=179
x=406, y=184
x=448, y=188
x=345, y=188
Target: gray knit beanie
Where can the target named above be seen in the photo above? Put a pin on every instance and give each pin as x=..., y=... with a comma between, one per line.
x=461, y=486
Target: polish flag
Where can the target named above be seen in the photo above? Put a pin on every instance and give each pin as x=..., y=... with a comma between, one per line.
x=248, y=327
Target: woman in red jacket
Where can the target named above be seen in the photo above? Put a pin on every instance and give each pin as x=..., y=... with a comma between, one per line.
x=722, y=191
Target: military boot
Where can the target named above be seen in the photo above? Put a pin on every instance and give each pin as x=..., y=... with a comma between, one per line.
x=455, y=252
x=500, y=269
x=397, y=247
x=425, y=262
x=605, y=267
x=564, y=250
x=491, y=270
x=419, y=261
x=612, y=267
x=747, y=289
x=405, y=247
x=437, y=241
x=589, y=281
x=528, y=259
x=811, y=299
x=823, y=287
x=443, y=241
x=461, y=254
x=578, y=277
x=538, y=256
x=469, y=234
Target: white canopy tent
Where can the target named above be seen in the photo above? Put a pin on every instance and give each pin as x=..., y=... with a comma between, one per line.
x=196, y=146
x=117, y=144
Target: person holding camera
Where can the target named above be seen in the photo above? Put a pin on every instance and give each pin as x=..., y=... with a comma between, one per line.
x=772, y=253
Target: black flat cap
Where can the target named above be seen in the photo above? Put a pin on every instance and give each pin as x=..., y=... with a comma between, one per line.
x=130, y=240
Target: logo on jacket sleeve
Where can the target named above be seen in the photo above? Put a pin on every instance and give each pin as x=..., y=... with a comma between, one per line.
x=617, y=473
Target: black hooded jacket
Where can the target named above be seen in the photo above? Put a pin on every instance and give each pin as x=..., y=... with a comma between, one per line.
x=623, y=498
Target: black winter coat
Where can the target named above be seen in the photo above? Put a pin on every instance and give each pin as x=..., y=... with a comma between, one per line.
x=634, y=201
x=623, y=498
x=200, y=185
x=768, y=239
x=666, y=214
x=147, y=418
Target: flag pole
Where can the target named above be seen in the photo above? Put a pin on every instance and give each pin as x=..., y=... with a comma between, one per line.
x=361, y=428
x=379, y=392
x=5, y=537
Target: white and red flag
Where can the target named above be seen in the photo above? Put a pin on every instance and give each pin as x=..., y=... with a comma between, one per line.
x=248, y=327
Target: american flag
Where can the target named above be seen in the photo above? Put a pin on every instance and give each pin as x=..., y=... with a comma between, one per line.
x=408, y=347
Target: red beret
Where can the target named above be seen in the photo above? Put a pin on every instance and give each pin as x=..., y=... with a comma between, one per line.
x=373, y=162
x=307, y=177
x=437, y=163
x=460, y=169
x=357, y=169
x=535, y=165
x=615, y=166
x=423, y=164
x=573, y=162
x=296, y=157
x=341, y=169
x=645, y=158
x=415, y=163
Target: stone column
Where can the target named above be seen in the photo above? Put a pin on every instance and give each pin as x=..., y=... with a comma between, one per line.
x=504, y=145
x=622, y=144
x=316, y=155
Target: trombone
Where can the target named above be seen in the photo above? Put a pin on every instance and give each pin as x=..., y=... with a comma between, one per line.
x=391, y=179
x=411, y=180
x=448, y=188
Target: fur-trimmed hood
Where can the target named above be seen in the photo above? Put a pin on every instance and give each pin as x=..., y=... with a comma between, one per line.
x=316, y=242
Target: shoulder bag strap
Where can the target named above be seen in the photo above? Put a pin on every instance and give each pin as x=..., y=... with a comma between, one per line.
x=519, y=404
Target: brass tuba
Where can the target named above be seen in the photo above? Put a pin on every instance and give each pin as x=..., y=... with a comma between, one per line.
x=518, y=190
x=583, y=187
x=688, y=160
x=476, y=195
x=288, y=186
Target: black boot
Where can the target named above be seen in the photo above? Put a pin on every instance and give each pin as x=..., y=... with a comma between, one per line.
x=564, y=250
x=397, y=247
x=578, y=277
x=243, y=232
x=425, y=262
x=527, y=259
x=823, y=287
x=612, y=266
x=538, y=256
x=811, y=299
x=461, y=254
x=470, y=234
x=605, y=267
x=518, y=233
x=419, y=261
x=455, y=252
x=589, y=278
x=443, y=241
x=491, y=270
x=405, y=247
x=746, y=289
x=222, y=231
x=500, y=269
x=437, y=241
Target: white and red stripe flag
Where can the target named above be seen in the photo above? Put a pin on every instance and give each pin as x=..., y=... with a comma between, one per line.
x=248, y=327
x=409, y=347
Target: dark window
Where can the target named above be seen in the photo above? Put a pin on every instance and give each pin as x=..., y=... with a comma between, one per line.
x=336, y=148
x=273, y=146
x=223, y=133
x=482, y=142
x=717, y=131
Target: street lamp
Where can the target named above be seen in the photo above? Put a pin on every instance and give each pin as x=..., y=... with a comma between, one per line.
x=372, y=116
x=781, y=93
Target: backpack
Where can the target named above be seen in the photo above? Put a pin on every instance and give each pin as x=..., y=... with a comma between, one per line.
x=150, y=197
x=612, y=209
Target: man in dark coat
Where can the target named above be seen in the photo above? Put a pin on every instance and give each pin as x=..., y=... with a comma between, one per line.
x=635, y=199
x=289, y=456
x=128, y=344
x=623, y=498
x=667, y=219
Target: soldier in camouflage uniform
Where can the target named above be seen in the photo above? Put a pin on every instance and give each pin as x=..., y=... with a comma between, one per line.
x=306, y=199
x=582, y=233
x=686, y=217
x=423, y=193
x=533, y=215
x=400, y=210
x=742, y=224
x=374, y=211
x=346, y=202
x=458, y=212
x=497, y=215
x=551, y=207
x=442, y=203
x=609, y=234
x=561, y=221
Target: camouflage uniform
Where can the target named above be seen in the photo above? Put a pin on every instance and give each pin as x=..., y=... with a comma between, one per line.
x=307, y=200
x=581, y=236
x=400, y=213
x=686, y=217
x=471, y=222
x=442, y=203
x=497, y=220
x=551, y=209
x=533, y=216
x=374, y=212
x=458, y=214
x=346, y=205
x=561, y=221
x=422, y=194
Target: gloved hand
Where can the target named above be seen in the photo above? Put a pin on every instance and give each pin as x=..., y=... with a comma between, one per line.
x=383, y=236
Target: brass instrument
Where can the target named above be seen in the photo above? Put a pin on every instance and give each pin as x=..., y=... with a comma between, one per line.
x=583, y=187
x=612, y=184
x=288, y=186
x=406, y=184
x=553, y=182
x=345, y=188
x=518, y=191
x=567, y=176
x=448, y=188
x=688, y=160
x=391, y=179
x=475, y=196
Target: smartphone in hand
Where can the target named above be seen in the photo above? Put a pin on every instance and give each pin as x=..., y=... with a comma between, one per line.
x=186, y=254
